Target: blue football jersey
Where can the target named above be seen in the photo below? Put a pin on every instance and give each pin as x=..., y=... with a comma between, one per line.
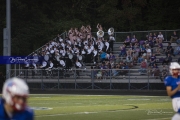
x=173, y=82
x=26, y=114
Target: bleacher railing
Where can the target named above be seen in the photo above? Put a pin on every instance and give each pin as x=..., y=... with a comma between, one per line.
x=88, y=78
x=141, y=35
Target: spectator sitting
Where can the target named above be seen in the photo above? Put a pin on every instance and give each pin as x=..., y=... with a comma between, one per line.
x=155, y=71
x=115, y=71
x=159, y=49
x=130, y=50
x=177, y=51
x=152, y=60
x=129, y=58
x=169, y=50
x=143, y=67
x=129, y=61
x=160, y=36
x=164, y=73
x=112, y=58
x=167, y=60
x=154, y=37
x=148, y=54
x=123, y=66
x=174, y=37
x=136, y=53
x=142, y=49
x=178, y=41
x=134, y=40
x=127, y=41
x=102, y=56
x=150, y=42
x=140, y=59
x=122, y=51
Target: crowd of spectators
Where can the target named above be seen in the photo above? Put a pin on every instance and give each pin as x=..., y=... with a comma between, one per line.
x=145, y=53
x=80, y=47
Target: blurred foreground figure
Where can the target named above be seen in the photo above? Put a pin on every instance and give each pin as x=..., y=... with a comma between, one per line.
x=14, y=98
x=172, y=84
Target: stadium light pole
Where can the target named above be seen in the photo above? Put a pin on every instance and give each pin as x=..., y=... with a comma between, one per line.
x=8, y=31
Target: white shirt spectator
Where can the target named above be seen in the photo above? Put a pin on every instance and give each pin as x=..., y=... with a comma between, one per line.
x=92, y=47
x=52, y=51
x=89, y=51
x=148, y=50
x=47, y=53
x=83, y=52
x=77, y=51
x=62, y=63
x=85, y=42
x=60, y=39
x=161, y=36
x=78, y=64
x=47, y=48
x=44, y=64
x=27, y=65
x=63, y=45
x=85, y=47
x=68, y=41
x=50, y=46
x=52, y=43
x=51, y=65
x=112, y=38
x=95, y=52
x=107, y=45
x=35, y=67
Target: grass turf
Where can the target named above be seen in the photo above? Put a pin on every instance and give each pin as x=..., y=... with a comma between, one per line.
x=105, y=107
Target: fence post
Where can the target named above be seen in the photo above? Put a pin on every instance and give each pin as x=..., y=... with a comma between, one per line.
x=148, y=81
x=166, y=35
x=58, y=78
x=92, y=78
x=75, y=78
x=41, y=80
x=129, y=86
x=15, y=70
x=110, y=80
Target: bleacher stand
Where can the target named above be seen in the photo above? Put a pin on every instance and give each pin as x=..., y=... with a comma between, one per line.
x=81, y=49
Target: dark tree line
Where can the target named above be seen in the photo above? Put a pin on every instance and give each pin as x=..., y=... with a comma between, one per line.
x=34, y=22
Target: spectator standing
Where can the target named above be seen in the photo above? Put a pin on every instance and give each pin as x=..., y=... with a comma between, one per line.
x=111, y=42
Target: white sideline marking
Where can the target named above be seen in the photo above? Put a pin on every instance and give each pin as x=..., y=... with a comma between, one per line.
x=67, y=114
x=94, y=113
x=158, y=119
x=41, y=97
x=134, y=104
x=138, y=99
x=91, y=95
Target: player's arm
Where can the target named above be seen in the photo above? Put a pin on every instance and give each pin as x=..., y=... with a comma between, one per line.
x=171, y=92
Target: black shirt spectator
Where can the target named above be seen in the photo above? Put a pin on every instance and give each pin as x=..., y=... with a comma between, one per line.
x=169, y=49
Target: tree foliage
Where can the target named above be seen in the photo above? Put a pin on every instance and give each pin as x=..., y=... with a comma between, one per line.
x=34, y=22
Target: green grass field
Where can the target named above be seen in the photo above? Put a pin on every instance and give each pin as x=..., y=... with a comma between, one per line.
x=101, y=107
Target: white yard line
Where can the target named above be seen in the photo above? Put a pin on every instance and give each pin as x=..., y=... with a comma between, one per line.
x=51, y=115
x=159, y=119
